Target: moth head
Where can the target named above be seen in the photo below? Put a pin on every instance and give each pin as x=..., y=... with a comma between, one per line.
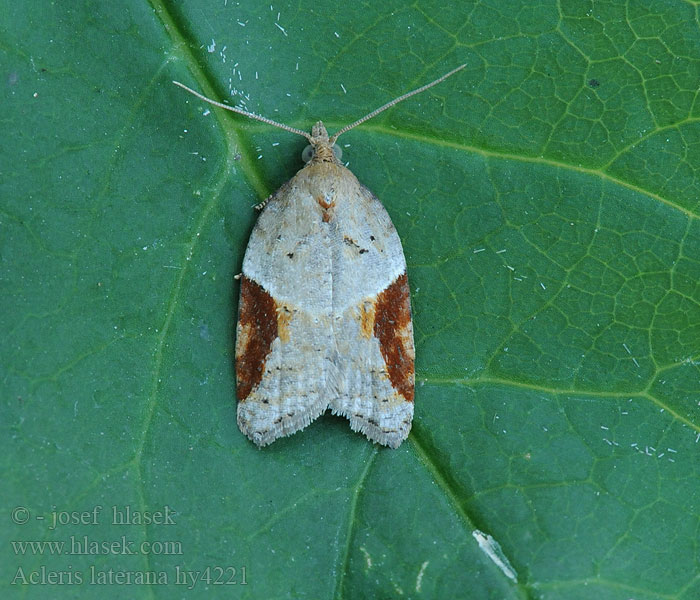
x=321, y=149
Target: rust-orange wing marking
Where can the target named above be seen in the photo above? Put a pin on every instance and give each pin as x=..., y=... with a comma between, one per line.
x=257, y=329
x=392, y=327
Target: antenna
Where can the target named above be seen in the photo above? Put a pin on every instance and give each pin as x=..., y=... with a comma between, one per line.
x=335, y=136
x=374, y=113
x=240, y=111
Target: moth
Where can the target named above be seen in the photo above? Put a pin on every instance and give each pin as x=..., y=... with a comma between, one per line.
x=324, y=318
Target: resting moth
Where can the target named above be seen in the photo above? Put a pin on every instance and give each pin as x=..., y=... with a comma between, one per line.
x=324, y=318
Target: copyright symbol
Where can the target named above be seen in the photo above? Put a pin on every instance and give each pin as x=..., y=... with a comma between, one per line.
x=20, y=515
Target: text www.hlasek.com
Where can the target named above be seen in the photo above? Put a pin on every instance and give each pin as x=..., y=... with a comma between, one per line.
x=83, y=545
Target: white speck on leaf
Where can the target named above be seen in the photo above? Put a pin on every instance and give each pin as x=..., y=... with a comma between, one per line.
x=419, y=578
x=492, y=549
x=368, y=558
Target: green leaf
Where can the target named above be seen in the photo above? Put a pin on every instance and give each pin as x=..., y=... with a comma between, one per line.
x=547, y=198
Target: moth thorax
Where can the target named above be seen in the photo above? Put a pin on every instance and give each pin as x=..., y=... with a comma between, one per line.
x=323, y=152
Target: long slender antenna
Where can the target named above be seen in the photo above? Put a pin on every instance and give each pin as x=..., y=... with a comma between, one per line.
x=240, y=111
x=335, y=136
x=374, y=113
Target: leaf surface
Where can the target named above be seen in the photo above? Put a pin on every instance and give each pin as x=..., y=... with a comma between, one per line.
x=547, y=199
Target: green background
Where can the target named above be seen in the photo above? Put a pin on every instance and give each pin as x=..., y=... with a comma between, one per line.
x=547, y=199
